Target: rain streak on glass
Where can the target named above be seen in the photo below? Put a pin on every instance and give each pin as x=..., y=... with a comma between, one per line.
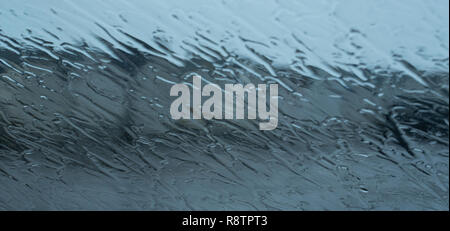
x=363, y=105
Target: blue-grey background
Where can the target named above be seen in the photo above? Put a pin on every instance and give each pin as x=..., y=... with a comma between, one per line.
x=84, y=105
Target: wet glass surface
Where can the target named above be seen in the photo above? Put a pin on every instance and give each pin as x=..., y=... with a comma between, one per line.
x=363, y=105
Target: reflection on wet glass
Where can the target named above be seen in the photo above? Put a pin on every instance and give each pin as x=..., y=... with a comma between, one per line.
x=363, y=105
